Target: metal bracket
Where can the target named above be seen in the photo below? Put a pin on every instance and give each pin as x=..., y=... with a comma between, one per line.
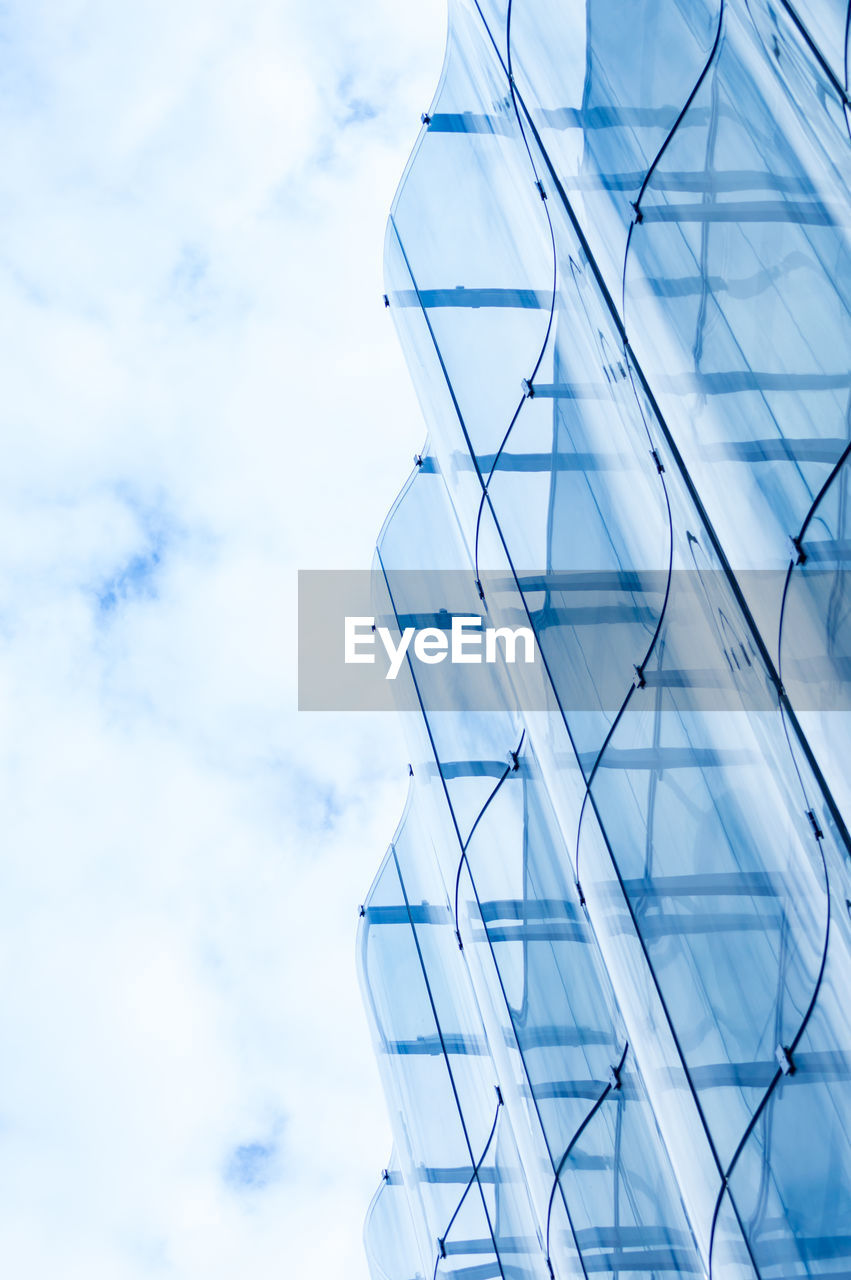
x=426, y=119
x=386, y=300
x=513, y=761
x=528, y=389
x=541, y=190
x=659, y=464
x=638, y=679
x=799, y=555
x=817, y=831
x=639, y=216
x=784, y=1060
x=614, y=1078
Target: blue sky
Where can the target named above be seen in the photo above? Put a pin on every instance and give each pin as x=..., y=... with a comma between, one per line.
x=202, y=393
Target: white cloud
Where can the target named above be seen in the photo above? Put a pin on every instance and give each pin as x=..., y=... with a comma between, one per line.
x=202, y=393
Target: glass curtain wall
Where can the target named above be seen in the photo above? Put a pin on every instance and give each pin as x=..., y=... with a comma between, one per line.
x=607, y=955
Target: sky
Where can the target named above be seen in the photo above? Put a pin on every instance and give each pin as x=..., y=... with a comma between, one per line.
x=201, y=394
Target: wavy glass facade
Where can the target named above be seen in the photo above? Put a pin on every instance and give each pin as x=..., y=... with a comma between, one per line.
x=606, y=957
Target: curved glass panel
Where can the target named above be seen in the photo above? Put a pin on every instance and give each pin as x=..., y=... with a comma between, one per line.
x=576, y=465
x=792, y=1180
x=389, y=1237
x=429, y=579
x=436, y=1061
x=484, y=291
x=732, y=377
x=812, y=69
x=814, y=641
x=824, y=25
x=737, y=300
x=686, y=805
x=526, y=910
x=731, y=1255
x=561, y=1012
x=415, y=1068
x=619, y=1199
x=603, y=87
x=496, y=17
x=467, y=1250
x=509, y=1210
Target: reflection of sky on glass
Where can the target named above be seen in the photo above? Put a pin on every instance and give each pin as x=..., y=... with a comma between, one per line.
x=202, y=392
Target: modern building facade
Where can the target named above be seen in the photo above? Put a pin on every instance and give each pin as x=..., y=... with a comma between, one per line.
x=607, y=957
